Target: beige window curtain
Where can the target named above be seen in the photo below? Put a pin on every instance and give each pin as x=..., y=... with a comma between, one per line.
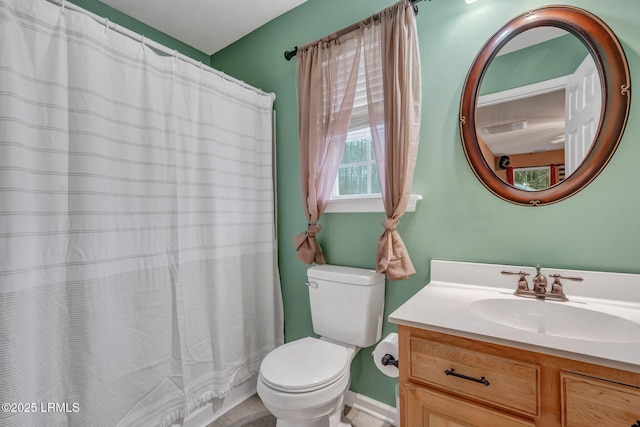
x=392, y=56
x=327, y=76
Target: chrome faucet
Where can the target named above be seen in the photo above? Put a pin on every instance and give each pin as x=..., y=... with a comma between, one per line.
x=539, y=290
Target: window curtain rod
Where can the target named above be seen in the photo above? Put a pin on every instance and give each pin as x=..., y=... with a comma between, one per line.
x=288, y=54
x=64, y=4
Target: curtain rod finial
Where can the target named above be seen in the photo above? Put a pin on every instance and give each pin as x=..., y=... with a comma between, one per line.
x=414, y=4
x=288, y=54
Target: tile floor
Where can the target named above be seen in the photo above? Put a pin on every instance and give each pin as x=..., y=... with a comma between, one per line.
x=252, y=413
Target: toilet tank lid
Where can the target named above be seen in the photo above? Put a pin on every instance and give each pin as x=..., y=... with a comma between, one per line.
x=350, y=275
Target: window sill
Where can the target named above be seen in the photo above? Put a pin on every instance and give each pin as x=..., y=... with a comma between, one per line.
x=361, y=204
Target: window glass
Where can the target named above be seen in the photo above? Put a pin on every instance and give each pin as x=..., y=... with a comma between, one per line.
x=532, y=179
x=358, y=173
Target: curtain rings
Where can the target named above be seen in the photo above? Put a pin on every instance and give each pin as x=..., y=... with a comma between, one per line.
x=175, y=62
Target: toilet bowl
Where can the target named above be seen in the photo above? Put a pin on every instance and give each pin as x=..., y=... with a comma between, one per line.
x=302, y=383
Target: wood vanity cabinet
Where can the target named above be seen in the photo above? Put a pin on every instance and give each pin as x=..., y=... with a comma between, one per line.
x=449, y=381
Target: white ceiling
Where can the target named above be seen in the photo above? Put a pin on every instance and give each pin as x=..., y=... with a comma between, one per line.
x=544, y=115
x=207, y=25
x=542, y=112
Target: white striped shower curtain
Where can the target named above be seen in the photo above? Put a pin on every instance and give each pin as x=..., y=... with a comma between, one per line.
x=138, y=278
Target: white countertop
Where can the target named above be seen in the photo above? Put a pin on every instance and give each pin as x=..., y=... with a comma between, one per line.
x=443, y=306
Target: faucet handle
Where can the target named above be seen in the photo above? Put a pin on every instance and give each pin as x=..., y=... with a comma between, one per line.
x=557, y=276
x=522, y=282
x=556, y=286
x=515, y=273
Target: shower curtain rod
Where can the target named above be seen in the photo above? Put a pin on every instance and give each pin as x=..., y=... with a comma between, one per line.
x=288, y=54
x=64, y=4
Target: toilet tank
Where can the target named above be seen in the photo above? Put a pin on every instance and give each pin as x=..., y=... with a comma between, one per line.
x=347, y=303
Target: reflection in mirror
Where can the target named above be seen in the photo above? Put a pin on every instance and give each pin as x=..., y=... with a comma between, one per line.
x=538, y=108
x=498, y=135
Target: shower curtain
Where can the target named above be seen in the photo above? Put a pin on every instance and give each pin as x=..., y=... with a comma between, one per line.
x=138, y=278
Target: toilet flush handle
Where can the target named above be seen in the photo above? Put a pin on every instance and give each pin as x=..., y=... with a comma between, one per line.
x=312, y=284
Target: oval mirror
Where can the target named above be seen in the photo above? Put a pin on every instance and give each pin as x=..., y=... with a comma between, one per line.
x=544, y=105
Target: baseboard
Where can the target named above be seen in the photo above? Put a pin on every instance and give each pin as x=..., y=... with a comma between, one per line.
x=376, y=409
x=206, y=415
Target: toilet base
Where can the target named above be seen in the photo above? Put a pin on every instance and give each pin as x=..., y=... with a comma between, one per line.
x=335, y=419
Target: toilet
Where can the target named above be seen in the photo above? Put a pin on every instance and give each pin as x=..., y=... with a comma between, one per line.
x=302, y=383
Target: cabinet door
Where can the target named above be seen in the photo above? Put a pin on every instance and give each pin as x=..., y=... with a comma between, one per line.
x=590, y=401
x=428, y=408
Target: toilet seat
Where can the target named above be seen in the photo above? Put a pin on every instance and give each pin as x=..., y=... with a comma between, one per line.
x=304, y=365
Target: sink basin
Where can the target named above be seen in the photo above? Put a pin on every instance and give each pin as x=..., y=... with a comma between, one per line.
x=557, y=319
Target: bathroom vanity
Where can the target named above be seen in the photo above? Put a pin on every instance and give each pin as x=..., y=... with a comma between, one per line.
x=474, y=354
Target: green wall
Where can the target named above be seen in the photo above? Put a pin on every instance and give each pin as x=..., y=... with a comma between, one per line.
x=561, y=56
x=458, y=219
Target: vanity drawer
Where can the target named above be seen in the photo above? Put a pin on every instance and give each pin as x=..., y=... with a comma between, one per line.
x=432, y=408
x=511, y=385
x=592, y=401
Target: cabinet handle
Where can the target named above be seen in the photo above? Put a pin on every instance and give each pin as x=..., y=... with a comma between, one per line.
x=482, y=380
x=637, y=424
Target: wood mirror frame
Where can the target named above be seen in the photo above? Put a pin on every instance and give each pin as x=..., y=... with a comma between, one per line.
x=615, y=80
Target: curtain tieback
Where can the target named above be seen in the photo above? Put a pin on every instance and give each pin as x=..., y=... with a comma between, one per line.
x=310, y=233
x=313, y=229
x=307, y=248
x=390, y=223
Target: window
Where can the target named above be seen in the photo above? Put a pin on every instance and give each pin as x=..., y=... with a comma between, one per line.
x=357, y=187
x=358, y=173
x=532, y=179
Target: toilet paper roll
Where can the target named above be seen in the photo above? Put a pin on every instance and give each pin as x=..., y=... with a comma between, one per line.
x=389, y=345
